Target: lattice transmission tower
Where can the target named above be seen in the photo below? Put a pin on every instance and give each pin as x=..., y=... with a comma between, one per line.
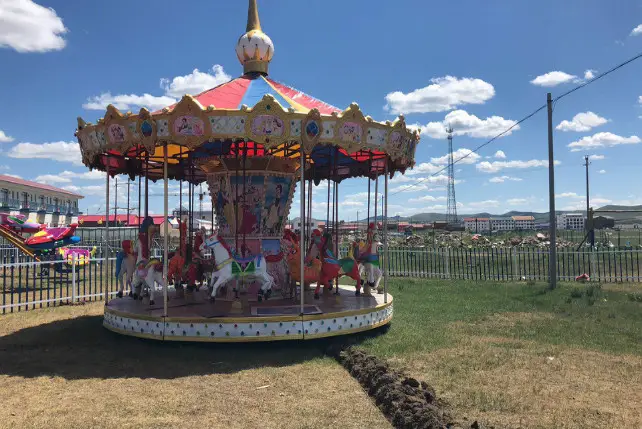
x=451, y=209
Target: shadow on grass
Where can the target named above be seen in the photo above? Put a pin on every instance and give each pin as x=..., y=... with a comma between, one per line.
x=81, y=348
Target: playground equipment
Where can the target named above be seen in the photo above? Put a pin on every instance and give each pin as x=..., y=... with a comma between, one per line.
x=44, y=242
x=251, y=140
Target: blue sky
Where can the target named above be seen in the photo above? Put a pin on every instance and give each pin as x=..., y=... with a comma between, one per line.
x=476, y=65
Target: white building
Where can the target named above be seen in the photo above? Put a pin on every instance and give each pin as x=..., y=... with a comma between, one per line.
x=313, y=224
x=524, y=222
x=41, y=203
x=502, y=223
x=573, y=221
x=477, y=224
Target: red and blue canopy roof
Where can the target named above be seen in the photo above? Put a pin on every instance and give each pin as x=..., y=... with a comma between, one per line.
x=250, y=89
x=250, y=116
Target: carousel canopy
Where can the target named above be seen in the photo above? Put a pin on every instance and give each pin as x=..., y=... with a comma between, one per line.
x=250, y=116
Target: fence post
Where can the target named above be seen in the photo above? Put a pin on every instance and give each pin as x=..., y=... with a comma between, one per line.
x=513, y=254
x=74, y=283
x=448, y=262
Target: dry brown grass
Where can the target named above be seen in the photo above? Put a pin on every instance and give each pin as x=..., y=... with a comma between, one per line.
x=60, y=369
x=511, y=383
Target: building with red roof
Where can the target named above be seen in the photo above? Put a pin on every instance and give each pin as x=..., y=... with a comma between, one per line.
x=40, y=202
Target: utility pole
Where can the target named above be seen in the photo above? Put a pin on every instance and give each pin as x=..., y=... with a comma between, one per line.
x=589, y=223
x=128, y=184
x=552, y=257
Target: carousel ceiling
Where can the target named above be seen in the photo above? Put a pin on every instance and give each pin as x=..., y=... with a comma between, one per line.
x=247, y=117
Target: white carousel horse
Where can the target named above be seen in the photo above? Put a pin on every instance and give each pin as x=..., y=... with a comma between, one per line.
x=230, y=268
x=137, y=282
x=151, y=274
x=368, y=259
x=125, y=270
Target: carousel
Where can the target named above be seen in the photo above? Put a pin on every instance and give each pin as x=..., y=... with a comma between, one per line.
x=252, y=141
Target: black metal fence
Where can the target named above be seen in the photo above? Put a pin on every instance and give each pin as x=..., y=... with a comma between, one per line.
x=503, y=264
x=27, y=285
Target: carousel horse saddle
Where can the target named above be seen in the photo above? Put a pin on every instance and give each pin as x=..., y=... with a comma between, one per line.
x=371, y=258
x=245, y=266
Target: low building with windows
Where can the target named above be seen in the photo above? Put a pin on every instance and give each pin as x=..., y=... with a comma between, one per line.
x=477, y=224
x=502, y=223
x=41, y=203
x=523, y=223
x=571, y=221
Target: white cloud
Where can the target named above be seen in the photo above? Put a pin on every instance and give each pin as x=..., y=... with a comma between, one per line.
x=51, y=178
x=463, y=123
x=602, y=171
x=502, y=179
x=426, y=199
x=402, y=178
x=424, y=185
x=589, y=74
x=351, y=204
x=128, y=102
x=358, y=196
x=500, y=154
x=28, y=27
x=56, y=151
x=195, y=82
x=596, y=201
x=602, y=140
x=596, y=157
x=67, y=176
x=483, y=204
x=444, y=93
x=568, y=195
x=465, y=156
x=516, y=201
x=582, y=122
x=553, y=78
x=14, y=175
x=86, y=175
x=5, y=138
x=637, y=30
x=496, y=166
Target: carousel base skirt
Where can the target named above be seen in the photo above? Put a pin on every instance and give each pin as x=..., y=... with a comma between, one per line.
x=194, y=318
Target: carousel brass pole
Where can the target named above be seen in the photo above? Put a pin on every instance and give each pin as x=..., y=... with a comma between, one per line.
x=106, y=251
x=385, y=235
x=301, y=240
x=376, y=198
x=165, y=231
x=146, y=186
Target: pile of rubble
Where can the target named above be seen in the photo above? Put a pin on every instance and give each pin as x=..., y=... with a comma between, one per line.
x=407, y=402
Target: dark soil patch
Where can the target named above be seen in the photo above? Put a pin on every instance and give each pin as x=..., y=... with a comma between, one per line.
x=407, y=402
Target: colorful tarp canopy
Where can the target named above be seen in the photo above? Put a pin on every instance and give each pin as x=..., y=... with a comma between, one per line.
x=249, y=89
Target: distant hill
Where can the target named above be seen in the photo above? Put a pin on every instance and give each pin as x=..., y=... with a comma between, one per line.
x=621, y=218
x=539, y=217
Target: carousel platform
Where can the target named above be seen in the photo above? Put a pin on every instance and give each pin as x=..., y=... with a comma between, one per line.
x=194, y=318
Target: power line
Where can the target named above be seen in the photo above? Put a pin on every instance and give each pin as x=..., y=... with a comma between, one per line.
x=527, y=117
x=598, y=77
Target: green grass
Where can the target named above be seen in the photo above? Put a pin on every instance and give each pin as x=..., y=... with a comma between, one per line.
x=518, y=355
x=608, y=321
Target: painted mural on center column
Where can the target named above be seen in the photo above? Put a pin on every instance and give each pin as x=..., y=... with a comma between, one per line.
x=277, y=193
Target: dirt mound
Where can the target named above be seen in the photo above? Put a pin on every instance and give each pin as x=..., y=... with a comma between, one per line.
x=405, y=401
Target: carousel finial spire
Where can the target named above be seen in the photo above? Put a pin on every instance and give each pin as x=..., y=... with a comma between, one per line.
x=253, y=21
x=254, y=49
